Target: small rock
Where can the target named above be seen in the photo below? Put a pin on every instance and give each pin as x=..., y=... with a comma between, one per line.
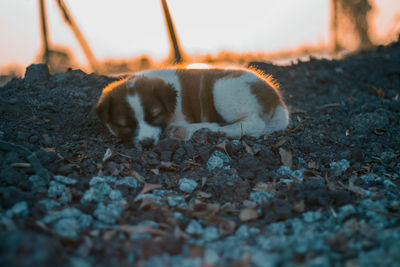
x=345, y=211
x=36, y=75
x=58, y=190
x=339, y=167
x=174, y=201
x=19, y=209
x=194, y=228
x=260, y=196
x=65, y=180
x=312, y=216
x=210, y=233
x=108, y=213
x=49, y=204
x=287, y=172
x=217, y=160
x=69, y=222
x=99, y=190
x=38, y=181
x=129, y=182
x=187, y=185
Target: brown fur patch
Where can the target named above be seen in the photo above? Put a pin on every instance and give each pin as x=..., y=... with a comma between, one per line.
x=197, y=93
x=113, y=109
x=158, y=99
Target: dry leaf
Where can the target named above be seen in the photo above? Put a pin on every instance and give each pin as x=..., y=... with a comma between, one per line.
x=21, y=165
x=150, y=187
x=203, y=181
x=48, y=149
x=248, y=214
x=226, y=226
x=109, y=153
x=137, y=176
x=299, y=206
x=169, y=166
x=155, y=171
x=148, y=203
x=286, y=157
x=279, y=143
x=203, y=194
x=130, y=229
x=248, y=148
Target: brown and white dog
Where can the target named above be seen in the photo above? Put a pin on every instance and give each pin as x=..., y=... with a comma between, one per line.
x=181, y=101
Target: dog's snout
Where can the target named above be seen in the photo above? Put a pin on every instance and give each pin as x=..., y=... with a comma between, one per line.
x=147, y=142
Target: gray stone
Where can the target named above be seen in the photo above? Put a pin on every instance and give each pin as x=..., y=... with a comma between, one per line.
x=174, y=201
x=243, y=232
x=68, y=222
x=49, y=204
x=98, y=191
x=262, y=259
x=339, y=167
x=194, y=228
x=312, y=216
x=116, y=195
x=38, y=181
x=210, y=233
x=211, y=257
x=19, y=209
x=108, y=213
x=345, y=211
x=67, y=227
x=65, y=180
x=187, y=185
x=217, y=160
x=285, y=171
x=129, y=182
x=79, y=262
x=60, y=191
x=36, y=75
x=260, y=196
x=150, y=223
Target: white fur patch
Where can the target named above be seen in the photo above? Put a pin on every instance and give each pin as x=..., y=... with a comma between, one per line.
x=144, y=130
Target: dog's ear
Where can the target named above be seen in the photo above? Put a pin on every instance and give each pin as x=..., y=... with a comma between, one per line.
x=102, y=107
x=166, y=94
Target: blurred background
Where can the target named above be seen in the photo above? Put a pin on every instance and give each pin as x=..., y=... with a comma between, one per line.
x=127, y=35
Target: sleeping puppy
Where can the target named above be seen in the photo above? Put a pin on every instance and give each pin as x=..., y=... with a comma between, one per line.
x=180, y=101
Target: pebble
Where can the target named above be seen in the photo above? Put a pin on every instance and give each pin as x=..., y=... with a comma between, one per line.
x=260, y=196
x=60, y=191
x=65, y=180
x=210, y=233
x=339, y=167
x=38, y=181
x=288, y=172
x=311, y=216
x=98, y=191
x=49, y=204
x=68, y=222
x=217, y=160
x=19, y=209
x=129, y=182
x=194, y=228
x=345, y=211
x=174, y=201
x=108, y=213
x=187, y=185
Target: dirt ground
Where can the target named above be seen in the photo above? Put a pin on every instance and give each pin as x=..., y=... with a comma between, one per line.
x=323, y=192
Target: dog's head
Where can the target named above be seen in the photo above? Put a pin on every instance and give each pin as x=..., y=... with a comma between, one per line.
x=138, y=108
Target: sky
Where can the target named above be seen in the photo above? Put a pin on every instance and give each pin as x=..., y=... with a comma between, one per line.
x=128, y=28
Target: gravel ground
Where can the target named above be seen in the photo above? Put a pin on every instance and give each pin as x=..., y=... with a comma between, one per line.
x=324, y=192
